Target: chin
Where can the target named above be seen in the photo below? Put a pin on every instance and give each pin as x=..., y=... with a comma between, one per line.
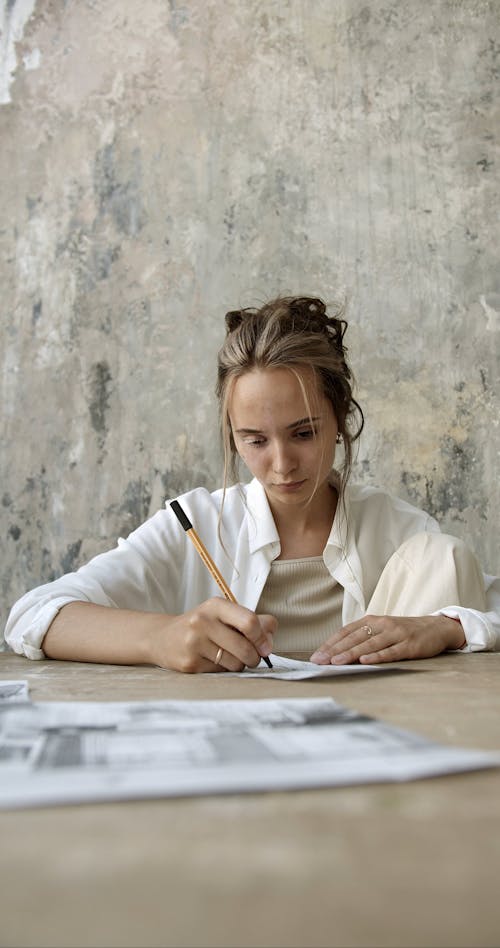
x=299, y=496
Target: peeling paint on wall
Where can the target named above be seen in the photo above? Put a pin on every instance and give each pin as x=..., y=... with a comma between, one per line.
x=14, y=15
x=491, y=312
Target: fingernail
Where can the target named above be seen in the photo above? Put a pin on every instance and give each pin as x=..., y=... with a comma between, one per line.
x=339, y=659
x=265, y=650
x=320, y=658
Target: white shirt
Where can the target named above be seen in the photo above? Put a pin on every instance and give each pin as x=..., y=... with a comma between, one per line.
x=157, y=568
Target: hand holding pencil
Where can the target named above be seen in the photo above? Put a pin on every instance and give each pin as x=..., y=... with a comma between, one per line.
x=211, y=566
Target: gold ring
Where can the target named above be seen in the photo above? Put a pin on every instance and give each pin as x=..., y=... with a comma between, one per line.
x=368, y=629
x=218, y=656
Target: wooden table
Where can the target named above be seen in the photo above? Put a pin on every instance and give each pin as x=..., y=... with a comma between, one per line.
x=414, y=864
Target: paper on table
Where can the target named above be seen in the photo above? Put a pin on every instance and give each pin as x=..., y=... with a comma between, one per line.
x=77, y=752
x=292, y=669
x=13, y=691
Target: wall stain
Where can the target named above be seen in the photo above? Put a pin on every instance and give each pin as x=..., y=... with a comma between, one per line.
x=102, y=259
x=179, y=15
x=485, y=164
x=90, y=255
x=100, y=392
x=456, y=491
x=120, y=199
x=36, y=484
x=69, y=559
x=136, y=500
x=135, y=505
x=47, y=571
x=229, y=219
x=32, y=204
x=133, y=509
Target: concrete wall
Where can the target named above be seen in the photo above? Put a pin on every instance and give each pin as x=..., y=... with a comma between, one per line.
x=162, y=162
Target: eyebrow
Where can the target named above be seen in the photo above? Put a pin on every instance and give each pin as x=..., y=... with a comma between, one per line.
x=294, y=424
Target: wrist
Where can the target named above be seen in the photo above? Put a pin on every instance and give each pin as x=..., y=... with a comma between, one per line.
x=154, y=639
x=149, y=639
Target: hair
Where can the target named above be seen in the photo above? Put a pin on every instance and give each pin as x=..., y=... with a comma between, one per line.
x=292, y=332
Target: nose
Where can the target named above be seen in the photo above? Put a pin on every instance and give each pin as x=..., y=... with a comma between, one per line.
x=283, y=460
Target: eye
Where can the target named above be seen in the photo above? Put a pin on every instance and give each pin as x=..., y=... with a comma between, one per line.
x=304, y=434
x=255, y=442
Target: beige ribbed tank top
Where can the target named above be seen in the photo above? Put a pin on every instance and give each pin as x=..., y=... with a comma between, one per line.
x=305, y=599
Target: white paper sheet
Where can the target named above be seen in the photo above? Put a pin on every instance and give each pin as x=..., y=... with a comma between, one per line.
x=13, y=691
x=292, y=669
x=77, y=752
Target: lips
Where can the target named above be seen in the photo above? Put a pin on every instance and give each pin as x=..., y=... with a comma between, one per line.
x=293, y=485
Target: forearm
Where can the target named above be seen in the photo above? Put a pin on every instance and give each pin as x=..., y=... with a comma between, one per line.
x=214, y=635
x=85, y=632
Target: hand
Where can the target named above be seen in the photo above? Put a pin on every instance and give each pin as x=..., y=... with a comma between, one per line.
x=191, y=642
x=391, y=639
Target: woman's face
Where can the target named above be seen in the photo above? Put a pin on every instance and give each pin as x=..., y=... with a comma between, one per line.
x=287, y=444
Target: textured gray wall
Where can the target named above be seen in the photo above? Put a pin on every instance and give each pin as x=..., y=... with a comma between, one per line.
x=162, y=162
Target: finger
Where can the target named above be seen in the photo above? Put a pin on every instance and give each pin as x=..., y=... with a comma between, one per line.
x=396, y=652
x=269, y=626
x=351, y=641
x=237, y=651
x=213, y=658
x=210, y=645
x=257, y=630
x=352, y=655
x=370, y=645
x=225, y=661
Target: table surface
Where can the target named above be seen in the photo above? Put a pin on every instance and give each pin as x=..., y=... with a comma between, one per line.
x=410, y=865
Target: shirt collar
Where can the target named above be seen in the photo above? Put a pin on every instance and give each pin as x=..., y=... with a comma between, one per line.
x=341, y=556
x=338, y=533
x=261, y=526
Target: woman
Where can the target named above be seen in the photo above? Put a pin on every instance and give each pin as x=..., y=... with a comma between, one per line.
x=341, y=573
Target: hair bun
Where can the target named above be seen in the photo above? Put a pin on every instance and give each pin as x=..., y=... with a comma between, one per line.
x=234, y=319
x=311, y=312
x=295, y=314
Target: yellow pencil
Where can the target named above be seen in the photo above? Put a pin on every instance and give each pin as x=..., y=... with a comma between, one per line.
x=205, y=556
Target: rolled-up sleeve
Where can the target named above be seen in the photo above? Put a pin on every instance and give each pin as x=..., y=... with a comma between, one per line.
x=155, y=569
x=141, y=573
x=481, y=629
